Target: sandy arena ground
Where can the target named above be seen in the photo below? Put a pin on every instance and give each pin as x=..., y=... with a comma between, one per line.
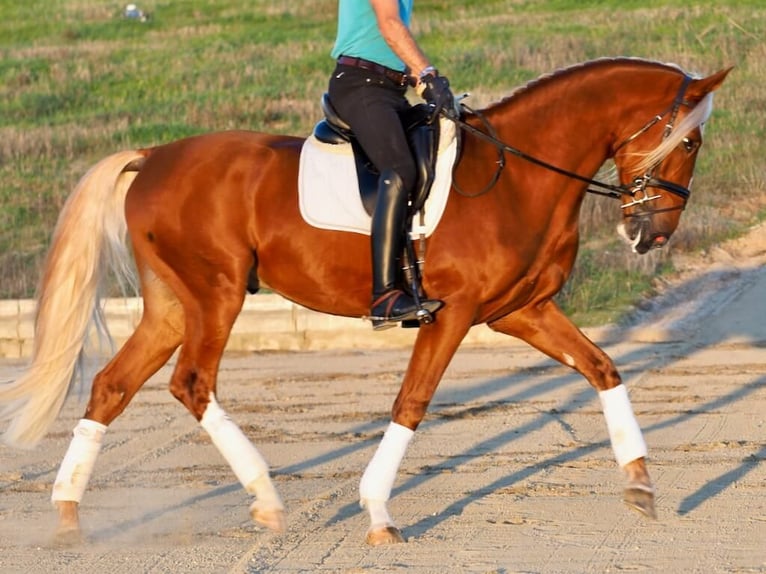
x=510, y=472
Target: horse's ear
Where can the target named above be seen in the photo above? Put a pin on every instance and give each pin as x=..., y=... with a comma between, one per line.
x=704, y=86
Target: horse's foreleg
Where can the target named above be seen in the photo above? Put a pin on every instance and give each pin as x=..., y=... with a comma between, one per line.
x=378, y=480
x=433, y=350
x=629, y=448
x=546, y=328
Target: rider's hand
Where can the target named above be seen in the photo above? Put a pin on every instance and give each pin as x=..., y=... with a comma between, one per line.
x=435, y=90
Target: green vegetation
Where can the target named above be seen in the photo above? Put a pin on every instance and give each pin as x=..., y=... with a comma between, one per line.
x=78, y=81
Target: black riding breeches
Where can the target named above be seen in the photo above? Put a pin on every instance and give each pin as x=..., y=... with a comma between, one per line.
x=371, y=103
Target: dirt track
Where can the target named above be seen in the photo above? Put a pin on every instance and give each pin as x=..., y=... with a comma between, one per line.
x=510, y=472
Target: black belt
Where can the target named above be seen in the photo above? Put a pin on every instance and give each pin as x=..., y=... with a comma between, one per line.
x=399, y=78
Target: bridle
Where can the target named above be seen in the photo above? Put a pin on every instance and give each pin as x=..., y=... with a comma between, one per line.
x=641, y=183
x=636, y=190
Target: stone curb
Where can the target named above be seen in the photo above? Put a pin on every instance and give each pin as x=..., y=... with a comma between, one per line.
x=267, y=323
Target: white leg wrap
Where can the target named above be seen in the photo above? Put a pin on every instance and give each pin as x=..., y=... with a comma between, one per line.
x=245, y=460
x=378, y=479
x=267, y=497
x=379, y=516
x=77, y=466
x=627, y=441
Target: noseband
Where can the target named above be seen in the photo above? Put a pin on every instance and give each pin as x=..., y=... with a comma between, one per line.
x=638, y=186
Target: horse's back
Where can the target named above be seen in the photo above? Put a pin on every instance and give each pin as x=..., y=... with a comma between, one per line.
x=216, y=151
x=202, y=173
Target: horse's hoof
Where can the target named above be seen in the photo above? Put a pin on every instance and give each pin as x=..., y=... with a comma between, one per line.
x=641, y=500
x=384, y=535
x=273, y=519
x=67, y=537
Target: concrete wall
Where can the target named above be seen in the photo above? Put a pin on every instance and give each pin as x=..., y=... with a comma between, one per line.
x=267, y=322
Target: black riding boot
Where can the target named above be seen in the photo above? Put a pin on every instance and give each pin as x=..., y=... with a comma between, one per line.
x=389, y=304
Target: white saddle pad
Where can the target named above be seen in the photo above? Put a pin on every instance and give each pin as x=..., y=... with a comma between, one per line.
x=328, y=189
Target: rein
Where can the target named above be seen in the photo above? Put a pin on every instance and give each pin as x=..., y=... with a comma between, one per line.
x=639, y=183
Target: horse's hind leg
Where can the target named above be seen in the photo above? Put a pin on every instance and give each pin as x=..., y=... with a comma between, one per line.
x=210, y=316
x=149, y=347
x=546, y=328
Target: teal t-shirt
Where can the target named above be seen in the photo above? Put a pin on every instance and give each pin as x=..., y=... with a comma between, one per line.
x=358, y=33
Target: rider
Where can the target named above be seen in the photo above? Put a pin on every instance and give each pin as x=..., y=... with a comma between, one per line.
x=376, y=53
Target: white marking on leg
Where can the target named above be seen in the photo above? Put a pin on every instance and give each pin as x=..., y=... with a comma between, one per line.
x=625, y=434
x=248, y=465
x=378, y=479
x=569, y=359
x=79, y=460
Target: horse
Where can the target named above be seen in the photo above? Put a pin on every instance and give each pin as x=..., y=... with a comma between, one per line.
x=204, y=219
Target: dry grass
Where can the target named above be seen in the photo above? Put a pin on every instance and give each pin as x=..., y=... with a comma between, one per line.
x=83, y=82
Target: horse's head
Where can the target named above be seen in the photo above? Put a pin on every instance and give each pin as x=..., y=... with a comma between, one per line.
x=656, y=164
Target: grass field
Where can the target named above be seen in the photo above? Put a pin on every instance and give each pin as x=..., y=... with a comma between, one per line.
x=79, y=81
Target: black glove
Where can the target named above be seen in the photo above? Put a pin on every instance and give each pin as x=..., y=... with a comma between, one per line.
x=436, y=93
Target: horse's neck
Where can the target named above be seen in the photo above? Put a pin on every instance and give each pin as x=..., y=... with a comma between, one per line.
x=580, y=108
x=557, y=134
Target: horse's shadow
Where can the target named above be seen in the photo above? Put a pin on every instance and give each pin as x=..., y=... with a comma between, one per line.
x=641, y=359
x=691, y=502
x=579, y=398
x=118, y=529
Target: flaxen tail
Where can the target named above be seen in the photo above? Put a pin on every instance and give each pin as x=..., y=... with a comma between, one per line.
x=90, y=237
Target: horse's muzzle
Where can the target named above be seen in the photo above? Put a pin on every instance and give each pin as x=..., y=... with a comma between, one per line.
x=645, y=242
x=642, y=239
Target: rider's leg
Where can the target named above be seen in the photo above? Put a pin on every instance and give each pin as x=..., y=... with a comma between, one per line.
x=390, y=304
x=371, y=105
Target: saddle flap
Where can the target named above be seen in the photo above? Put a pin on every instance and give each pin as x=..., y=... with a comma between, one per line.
x=329, y=193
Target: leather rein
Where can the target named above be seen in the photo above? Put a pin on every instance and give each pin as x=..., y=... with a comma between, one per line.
x=639, y=184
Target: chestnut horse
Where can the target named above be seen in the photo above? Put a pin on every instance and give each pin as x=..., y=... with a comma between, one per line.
x=208, y=216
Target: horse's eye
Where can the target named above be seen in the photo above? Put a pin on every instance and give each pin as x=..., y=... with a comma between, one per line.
x=689, y=144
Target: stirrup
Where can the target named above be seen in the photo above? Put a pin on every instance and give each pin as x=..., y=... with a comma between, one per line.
x=424, y=317
x=421, y=313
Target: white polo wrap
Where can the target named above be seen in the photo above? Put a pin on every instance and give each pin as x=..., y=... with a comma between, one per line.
x=379, y=477
x=245, y=460
x=627, y=441
x=79, y=460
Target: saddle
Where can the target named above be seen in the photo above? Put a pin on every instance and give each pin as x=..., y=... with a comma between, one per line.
x=423, y=140
x=422, y=137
